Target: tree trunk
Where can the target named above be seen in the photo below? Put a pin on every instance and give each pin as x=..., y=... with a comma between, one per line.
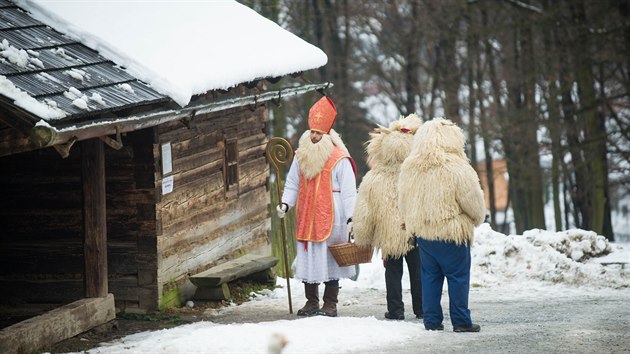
x=556, y=151
x=450, y=79
x=412, y=86
x=554, y=120
x=594, y=125
x=472, y=97
x=522, y=153
x=500, y=112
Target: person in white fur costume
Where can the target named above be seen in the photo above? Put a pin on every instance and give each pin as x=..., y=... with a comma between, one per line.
x=441, y=201
x=376, y=216
x=321, y=184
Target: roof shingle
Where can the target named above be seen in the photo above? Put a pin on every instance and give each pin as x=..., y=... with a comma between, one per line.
x=49, y=66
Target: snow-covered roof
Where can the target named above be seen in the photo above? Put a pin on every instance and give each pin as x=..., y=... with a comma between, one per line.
x=69, y=59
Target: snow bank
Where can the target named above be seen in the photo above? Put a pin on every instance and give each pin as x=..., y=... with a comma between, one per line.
x=565, y=257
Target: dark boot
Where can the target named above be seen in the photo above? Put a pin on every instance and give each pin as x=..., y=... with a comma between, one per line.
x=472, y=328
x=330, y=301
x=311, y=291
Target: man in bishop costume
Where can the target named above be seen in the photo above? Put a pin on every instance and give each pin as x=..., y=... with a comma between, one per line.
x=321, y=185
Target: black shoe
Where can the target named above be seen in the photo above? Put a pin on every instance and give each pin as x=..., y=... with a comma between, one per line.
x=390, y=316
x=420, y=316
x=472, y=328
x=439, y=327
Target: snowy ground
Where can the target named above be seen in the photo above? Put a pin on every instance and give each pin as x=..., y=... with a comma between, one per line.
x=537, y=292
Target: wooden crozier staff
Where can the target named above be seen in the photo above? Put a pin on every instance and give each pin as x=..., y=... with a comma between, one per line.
x=279, y=152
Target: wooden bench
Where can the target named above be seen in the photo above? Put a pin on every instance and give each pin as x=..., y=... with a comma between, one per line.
x=212, y=284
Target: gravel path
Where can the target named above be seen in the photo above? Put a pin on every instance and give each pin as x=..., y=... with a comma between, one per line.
x=538, y=320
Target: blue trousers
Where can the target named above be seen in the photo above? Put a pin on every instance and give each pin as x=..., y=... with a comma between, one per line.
x=439, y=260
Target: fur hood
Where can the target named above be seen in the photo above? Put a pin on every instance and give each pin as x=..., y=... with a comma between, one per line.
x=376, y=216
x=439, y=194
x=312, y=157
x=391, y=146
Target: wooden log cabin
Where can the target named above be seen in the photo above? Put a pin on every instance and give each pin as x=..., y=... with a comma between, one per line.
x=130, y=197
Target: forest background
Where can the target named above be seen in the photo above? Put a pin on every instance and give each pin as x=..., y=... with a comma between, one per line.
x=543, y=85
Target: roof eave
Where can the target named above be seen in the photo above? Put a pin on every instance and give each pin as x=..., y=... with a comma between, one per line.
x=46, y=135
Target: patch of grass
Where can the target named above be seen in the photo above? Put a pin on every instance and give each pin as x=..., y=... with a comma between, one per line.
x=241, y=289
x=170, y=297
x=152, y=317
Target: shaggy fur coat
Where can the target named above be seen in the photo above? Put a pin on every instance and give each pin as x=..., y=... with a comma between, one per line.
x=439, y=194
x=376, y=217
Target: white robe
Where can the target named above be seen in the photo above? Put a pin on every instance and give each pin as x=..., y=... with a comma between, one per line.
x=316, y=264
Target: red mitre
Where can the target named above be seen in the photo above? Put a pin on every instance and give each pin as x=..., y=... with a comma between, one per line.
x=321, y=116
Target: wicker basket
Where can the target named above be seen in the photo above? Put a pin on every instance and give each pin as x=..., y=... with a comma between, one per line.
x=347, y=254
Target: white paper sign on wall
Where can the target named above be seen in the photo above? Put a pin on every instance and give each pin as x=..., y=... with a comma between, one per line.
x=167, y=163
x=167, y=185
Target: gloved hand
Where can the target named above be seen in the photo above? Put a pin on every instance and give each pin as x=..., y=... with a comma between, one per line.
x=350, y=228
x=281, y=210
x=412, y=241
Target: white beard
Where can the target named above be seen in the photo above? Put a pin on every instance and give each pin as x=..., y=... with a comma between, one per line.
x=312, y=157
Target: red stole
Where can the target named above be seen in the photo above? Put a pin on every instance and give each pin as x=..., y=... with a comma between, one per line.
x=315, y=210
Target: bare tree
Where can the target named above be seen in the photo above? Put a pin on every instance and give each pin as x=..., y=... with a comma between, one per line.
x=527, y=78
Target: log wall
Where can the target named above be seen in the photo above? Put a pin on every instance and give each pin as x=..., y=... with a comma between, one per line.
x=12, y=141
x=199, y=223
x=154, y=241
x=41, y=232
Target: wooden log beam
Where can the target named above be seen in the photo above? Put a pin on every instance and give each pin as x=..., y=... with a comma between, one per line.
x=31, y=335
x=215, y=293
x=232, y=270
x=94, y=218
x=46, y=135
